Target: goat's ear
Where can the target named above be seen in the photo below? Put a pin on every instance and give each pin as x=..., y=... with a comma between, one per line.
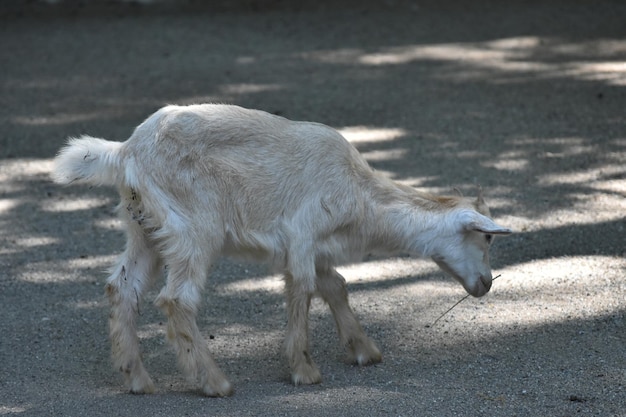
x=479, y=223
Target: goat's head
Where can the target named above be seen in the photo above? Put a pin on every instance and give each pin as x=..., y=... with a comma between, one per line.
x=465, y=254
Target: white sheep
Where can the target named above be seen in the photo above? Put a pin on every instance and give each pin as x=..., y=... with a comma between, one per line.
x=202, y=181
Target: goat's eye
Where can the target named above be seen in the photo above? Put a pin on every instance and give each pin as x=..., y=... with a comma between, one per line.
x=489, y=238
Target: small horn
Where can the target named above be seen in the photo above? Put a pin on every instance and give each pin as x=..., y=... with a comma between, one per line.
x=480, y=200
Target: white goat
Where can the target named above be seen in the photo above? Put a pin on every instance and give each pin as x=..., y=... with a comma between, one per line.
x=201, y=181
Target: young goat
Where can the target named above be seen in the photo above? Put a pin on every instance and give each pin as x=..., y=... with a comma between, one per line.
x=202, y=181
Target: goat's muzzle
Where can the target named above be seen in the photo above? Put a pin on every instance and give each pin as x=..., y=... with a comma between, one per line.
x=481, y=287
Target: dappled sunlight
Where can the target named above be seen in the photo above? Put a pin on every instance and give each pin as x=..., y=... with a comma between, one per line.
x=90, y=304
x=602, y=191
x=230, y=341
x=535, y=294
x=556, y=147
x=579, y=177
x=373, y=271
x=366, y=134
x=12, y=169
x=559, y=290
x=478, y=55
x=364, y=272
x=249, y=88
x=34, y=241
x=362, y=135
x=59, y=119
x=152, y=330
x=8, y=410
x=509, y=164
x=587, y=176
x=112, y=223
x=368, y=139
x=107, y=109
x=597, y=60
x=605, y=207
x=612, y=185
x=524, y=99
x=529, y=294
x=235, y=341
x=613, y=73
x=340, y=401
x=100, y=263
x=422, y=182
x=8, y=204
x=38, y=274
x=46, y=272
x=385, y=155
x=4, y=251
x=270, y=284
x=229, y=93
x=75, y=204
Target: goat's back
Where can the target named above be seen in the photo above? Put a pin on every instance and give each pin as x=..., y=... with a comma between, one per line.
x=242, y=150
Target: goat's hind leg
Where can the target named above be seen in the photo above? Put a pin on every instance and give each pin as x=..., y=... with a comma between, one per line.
x=361, y=349
x=133, y=273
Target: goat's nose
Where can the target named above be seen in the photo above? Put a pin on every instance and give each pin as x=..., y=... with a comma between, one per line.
x=487, y=281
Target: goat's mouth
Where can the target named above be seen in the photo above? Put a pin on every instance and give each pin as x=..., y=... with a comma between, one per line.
x=480, y=286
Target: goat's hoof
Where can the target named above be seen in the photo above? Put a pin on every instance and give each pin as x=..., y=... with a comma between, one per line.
x=143, y=389
x=364, y=352
x=137, y=379
x=222, y=389
x=306, y=374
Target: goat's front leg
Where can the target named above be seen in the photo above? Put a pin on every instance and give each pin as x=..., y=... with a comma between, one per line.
x=180, y=300
x=361, y=349
x=132, y=274
x=303, y=369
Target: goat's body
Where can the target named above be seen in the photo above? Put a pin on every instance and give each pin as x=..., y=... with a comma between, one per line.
x=215, y=166
x=230, y=165
x=202, y=181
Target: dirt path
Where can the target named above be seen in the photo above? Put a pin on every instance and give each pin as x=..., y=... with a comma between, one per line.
x=526, y=98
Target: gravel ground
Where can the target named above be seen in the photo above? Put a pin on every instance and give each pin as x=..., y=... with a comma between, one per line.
x=526, y=98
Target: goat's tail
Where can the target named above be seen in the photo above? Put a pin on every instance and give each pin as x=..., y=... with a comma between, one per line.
x=89, y=160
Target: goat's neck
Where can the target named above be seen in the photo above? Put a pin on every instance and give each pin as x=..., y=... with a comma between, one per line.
x=412, y=224
x=413, y=230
